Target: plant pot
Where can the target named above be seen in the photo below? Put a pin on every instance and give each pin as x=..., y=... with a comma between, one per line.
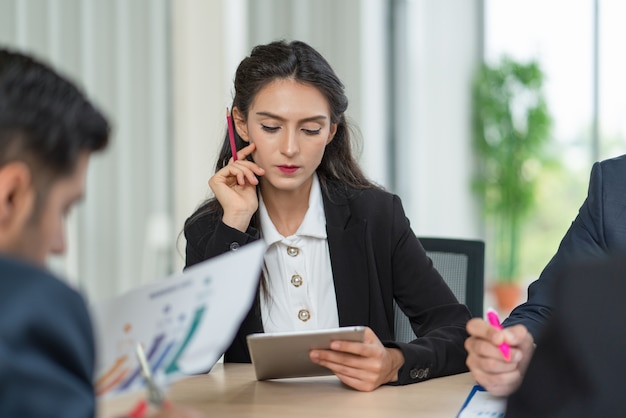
x=507, y=295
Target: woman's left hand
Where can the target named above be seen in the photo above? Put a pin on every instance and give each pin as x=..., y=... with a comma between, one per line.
x=363, y=366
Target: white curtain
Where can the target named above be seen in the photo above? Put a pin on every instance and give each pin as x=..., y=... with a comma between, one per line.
x=162, y=70
x=118, y=51
x=353, y=35
x=438, y=49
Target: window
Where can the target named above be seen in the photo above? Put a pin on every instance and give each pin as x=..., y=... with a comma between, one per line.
x=580, y=65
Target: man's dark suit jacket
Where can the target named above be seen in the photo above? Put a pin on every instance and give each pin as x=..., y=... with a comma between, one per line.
x=46, y=346
x=598, y=230
x=578, y=369
x=375, y=258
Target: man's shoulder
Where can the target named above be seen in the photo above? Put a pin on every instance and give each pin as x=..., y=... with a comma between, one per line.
x=46, y=348
x=31, y=295
x=607, y=186
x=613, y=167
x=44, y=311
x=22, y=278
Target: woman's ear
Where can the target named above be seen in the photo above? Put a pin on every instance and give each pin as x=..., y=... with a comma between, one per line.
x=331, y=134
x=240, y=124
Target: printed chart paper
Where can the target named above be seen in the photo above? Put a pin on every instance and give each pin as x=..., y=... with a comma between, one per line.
x=482, y=404
x=184, y=322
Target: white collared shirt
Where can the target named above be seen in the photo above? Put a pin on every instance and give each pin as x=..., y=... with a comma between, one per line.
x=298, y=273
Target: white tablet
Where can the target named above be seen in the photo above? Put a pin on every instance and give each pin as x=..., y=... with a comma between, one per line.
x=286, y=354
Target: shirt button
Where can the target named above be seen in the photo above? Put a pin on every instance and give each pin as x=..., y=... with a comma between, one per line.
x=292, y=251
x=296, y=280
x=234, y=246
x=304, y=315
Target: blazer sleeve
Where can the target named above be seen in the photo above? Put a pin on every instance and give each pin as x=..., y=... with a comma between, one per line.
x=578, y=367
x=585, y=239
x=46, y=351
x=207, y=236
x=437, y=318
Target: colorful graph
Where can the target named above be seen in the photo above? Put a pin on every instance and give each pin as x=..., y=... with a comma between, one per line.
x=183, y=322
x=125, y=371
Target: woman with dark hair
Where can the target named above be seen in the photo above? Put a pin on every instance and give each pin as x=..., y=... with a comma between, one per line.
x=340, y=249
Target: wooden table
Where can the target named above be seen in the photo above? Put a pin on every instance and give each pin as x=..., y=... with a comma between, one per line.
x=232, y=390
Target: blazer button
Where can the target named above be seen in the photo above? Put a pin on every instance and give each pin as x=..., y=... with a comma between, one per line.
x=419, y=373
x=292, y=251
x=234, y=246
x=296, y=280
x=304, y=315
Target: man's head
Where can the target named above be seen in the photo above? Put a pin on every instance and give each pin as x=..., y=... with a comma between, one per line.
x=48, y=130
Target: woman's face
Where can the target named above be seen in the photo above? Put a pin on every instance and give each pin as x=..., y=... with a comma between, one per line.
x=290, y=124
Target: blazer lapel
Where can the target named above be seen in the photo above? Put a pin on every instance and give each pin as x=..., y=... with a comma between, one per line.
x=348, y=258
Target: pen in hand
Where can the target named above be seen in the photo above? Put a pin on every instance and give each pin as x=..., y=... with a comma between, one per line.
x=155, y=394
x=231, y=134
x=493, y=319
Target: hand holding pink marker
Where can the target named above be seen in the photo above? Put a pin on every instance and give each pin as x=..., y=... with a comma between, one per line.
x=493, y=319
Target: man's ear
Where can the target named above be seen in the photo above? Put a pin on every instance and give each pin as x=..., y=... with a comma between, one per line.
x=17, y=198
x=240, y=124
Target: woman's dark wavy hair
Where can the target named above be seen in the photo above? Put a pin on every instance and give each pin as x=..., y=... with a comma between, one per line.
x=297, y=61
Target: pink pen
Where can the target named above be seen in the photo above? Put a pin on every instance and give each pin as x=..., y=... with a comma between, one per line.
x=231, y=134
x=493, y=319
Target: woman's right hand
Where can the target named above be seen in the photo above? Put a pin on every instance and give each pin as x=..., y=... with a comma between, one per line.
x=234, y=187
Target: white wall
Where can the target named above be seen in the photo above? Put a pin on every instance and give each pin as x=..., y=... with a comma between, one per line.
x=211, y=38
x=163, y=70
x=438, y=57
x=208, y=41
x=353, y=36
x=118, y=51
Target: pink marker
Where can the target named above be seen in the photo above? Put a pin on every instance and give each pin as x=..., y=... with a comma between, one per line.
x=493, y=319
x=231, y=135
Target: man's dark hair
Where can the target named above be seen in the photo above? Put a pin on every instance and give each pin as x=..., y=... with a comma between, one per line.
x=45, y=120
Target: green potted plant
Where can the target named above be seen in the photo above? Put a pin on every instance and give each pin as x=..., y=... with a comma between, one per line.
x=511, y=127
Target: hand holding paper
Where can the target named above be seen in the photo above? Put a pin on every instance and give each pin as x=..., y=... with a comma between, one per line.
x=185, y=322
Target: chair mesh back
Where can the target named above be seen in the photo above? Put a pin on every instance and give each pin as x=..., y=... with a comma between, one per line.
x=453, y=269
x=461, y=270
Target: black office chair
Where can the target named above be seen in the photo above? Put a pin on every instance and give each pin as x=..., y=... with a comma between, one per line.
x=461, y=263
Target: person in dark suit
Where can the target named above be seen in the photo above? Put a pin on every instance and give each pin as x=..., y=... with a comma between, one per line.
x=48, y=131
x=340, y=249
x=598, y=230
x=46, y=347
x=578, y=367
